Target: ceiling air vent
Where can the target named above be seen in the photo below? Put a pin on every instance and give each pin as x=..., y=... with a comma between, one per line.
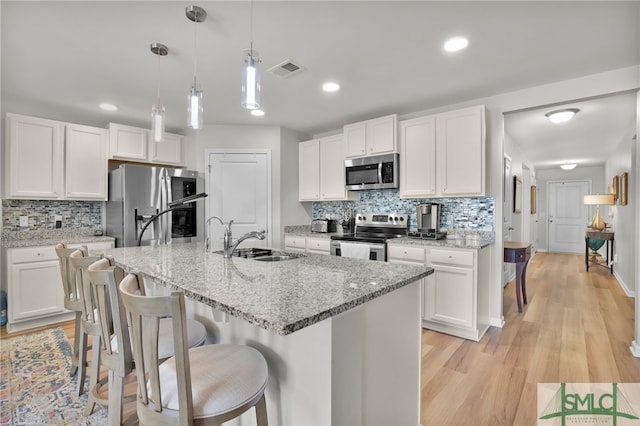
x=286, y=69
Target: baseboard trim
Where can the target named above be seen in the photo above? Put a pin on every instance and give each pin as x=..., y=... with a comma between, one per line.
x=497, y=322
x=635, y=349
x=622, y=285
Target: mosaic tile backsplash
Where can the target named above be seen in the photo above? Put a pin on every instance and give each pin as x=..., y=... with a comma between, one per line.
x=456, y=213
x=75, y=214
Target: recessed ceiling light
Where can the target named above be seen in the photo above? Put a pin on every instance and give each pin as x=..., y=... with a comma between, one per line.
x=257, y=112
x=568, y=166
x=455, y=44
x=108, y=107
x=561, y=115
x=330, y=87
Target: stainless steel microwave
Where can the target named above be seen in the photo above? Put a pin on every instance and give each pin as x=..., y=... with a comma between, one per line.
x=375, y=172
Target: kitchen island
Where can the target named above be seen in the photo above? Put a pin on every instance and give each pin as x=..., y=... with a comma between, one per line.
x=341, y=336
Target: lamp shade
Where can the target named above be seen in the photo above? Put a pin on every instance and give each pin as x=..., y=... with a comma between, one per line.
x=597, y=199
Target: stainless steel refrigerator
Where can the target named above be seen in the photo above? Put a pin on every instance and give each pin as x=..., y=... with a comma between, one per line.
x=137, y=193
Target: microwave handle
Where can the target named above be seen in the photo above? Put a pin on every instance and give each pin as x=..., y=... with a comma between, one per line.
x=380, y=164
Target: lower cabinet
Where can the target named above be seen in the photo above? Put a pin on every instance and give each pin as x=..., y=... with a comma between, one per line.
x=455, y=298
x=307, y=244
x=34, y=289
x=295, y=243
x=318, y=245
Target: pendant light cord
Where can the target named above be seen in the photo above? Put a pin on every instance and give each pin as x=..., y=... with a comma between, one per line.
x=251, y=30
x=195, y=51
x=159, y=79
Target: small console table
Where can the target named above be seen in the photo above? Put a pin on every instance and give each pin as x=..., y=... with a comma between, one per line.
x=519, y=253
x=605, y=235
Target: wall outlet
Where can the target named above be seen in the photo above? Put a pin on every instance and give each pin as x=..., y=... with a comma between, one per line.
x=58, y=219
x=24, y=221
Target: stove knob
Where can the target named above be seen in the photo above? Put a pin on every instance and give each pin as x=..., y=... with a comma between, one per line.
x=390, y=219
x=362, y=218
x=401, y=219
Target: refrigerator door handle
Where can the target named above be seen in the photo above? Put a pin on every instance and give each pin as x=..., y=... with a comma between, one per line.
x=166, y=200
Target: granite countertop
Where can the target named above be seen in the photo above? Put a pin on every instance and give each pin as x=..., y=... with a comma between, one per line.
x=281, y=297
x=468, y=241
x=45, y=237
x=457, y=238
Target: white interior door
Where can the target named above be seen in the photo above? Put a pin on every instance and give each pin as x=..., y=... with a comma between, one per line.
x=239, y=188
x=568, y=216
x=508, y=269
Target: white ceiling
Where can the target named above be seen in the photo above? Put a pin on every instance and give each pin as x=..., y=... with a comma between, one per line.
x=61, y=59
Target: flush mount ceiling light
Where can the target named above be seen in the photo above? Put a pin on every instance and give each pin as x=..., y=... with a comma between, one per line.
x=108, y=107
x=157, y=110
x=257, y=112
x=330, y=87
x=194, y=106
x=250, y=72
x=568, y=166
x=561, y=115
x=456, y=44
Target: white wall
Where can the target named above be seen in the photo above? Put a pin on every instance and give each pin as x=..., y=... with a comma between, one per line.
x=623, y=221
x=593, y=173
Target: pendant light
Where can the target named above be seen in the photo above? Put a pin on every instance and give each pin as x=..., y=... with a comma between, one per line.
x=157, y=110
x=250, y=72
x=194, y=105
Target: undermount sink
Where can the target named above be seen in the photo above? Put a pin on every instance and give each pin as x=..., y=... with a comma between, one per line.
x=275, y=258
x=262, y=254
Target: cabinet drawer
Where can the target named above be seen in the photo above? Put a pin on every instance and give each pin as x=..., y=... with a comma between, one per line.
x=295, y=242
x=415, y=254
x=318, y=244
x=452, y=257
x=32, y=254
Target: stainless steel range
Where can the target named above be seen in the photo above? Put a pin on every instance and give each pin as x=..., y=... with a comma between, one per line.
x=369, y=240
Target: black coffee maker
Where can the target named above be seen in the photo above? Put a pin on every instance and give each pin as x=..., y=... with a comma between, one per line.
x=349, y=222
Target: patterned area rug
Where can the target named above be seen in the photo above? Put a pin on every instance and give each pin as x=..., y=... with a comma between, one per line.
x=35, y=385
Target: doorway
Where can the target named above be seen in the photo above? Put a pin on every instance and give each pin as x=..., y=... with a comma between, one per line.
x=568, y=215
x=508, y=269
x=239, y=186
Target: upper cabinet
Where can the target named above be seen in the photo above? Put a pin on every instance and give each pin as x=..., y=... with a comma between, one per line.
x=135, y=144
x=321, y=170
x=443, y=155
x=52, y=160
x=371, y=137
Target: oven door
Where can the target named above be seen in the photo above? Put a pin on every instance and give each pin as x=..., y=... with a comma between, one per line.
x=359, y=250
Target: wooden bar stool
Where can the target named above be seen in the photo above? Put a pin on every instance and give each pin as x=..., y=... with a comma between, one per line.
x=90, y=324
x=209, y=384
x=104, y=277
x=73, y=303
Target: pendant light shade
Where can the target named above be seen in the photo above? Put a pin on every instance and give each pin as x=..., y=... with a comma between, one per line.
x=157, y=110
x=250, y=72
x=194, y=101
x=250, y=80
x=194, y=107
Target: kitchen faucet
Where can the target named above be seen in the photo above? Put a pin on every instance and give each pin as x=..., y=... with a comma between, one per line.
x=229, y=245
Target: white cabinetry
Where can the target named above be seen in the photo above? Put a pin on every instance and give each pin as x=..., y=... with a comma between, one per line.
x=443, y=155
x=135, y=144
x=47, y=159
x=371, y=137
x=85, y=176
x=321, y=170
x=456, y=296
x=417, y=157
x=34, y=290
x=318, y=245
x=294, y=243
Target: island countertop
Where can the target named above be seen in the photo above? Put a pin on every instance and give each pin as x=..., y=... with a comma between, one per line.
x=281, y=297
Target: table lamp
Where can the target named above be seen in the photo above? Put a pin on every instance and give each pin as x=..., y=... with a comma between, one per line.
x=597, y=199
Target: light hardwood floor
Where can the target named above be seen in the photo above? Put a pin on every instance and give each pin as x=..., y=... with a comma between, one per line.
x=577, y=327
